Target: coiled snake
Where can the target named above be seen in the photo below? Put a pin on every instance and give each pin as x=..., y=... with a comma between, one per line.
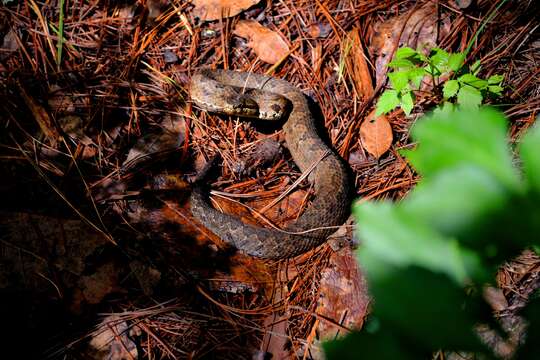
x=253, y=95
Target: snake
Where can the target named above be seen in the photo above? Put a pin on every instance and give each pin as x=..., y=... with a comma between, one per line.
x=252, y=95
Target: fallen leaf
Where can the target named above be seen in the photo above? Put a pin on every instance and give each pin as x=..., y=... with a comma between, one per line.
x=100, y=284
x=463, y=4
x=208, y=10
x=41, y=115
x=155, y=8
x=147, y=276
x=244, y=274
x=286, y=210
x=9, y=45
x=358, y=67
x=275, y=330
x=376, y=134
x=266, y=152
x=112, y=340
x=165, y=140
x=319, y=30
x=343, y=295
x=417, y=29
x=358, y=159
x=50, y=244
x=267, y=44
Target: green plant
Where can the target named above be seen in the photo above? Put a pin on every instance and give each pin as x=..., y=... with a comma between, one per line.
x=463, y=86
x=60, y=33
x=427, y=257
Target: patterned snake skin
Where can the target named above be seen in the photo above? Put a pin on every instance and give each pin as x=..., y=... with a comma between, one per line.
x=253, y=95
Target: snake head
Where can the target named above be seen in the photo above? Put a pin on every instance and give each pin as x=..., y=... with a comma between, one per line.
x=243, y=105
x=211, y=95
x=270, y=106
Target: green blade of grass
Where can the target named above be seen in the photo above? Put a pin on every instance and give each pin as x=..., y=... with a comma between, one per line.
x=60, y=43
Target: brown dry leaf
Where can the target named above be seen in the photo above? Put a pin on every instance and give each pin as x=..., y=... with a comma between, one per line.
x=112, y=340
x=100, y=284
x=343, y=295
x=42, y=116
x=319, y=30
x=245, y=274
x=275, y=330
x=155, y=8
x=284, y=211
x=358, y=159
x=208, y=10
x=376, y=134
x=266, y=152
x=358, y=67
x=419, y=29
x=167, y=139
x=9, y=45
x=267, y=44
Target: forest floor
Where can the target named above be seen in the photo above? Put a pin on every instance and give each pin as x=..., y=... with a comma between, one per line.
x=100, y=257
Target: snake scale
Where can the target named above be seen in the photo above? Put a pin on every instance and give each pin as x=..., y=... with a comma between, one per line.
x=253, y=95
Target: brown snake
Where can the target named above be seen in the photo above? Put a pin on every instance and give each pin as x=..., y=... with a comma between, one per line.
x=253, y=95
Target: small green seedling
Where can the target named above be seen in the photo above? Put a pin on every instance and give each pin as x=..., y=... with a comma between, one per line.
x=460, y=85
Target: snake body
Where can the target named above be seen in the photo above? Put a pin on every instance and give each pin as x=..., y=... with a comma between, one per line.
x=253, y=95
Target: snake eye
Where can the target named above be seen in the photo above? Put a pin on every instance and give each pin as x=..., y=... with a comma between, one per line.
x=248, y=106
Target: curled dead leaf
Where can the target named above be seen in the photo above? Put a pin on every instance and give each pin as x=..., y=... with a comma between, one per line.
x=9, y=44
x=113, y=340
x=343, y=295
x=41, y=115
x=358, y=66
x=208, y=10
x=376, y=134
x=267, y=44
x=418, y=27
x=319, y=30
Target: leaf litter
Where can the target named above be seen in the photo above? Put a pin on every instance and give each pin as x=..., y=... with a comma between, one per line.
x=123, y=79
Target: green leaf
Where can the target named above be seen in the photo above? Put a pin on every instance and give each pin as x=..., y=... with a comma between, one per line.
x=391, y=236
x=382, y=345
x=467, y=78
x=416, y=75
x=530, y=154
x=464, y=194
x=400, y=64
x=475, y=67
x=439, y=59
x=463, y=137
x=469, y=97
x=450, y=88
x=495, y=89
x=405, y=53
x=399, y=80
x=529, y=351
x=422, y=57
x=438, y=312
x=495, y=79
x=455, y=61
x=432, y=70
x=407, y=102
x=387, y=102
x=445, y=110
x=472, y=80
x=442, y=318
x=425, y=254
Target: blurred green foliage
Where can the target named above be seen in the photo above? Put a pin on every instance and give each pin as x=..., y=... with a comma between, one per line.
x=427, y=257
